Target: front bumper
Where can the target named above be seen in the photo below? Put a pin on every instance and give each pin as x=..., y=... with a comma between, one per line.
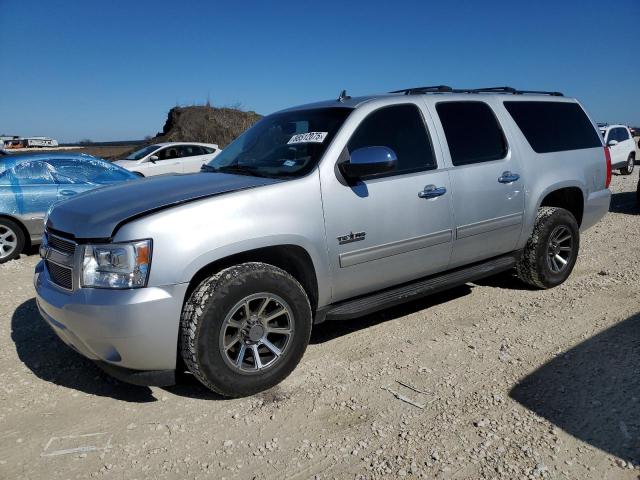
x=124, y=331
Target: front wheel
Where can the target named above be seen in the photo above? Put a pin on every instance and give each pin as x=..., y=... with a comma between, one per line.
x=552, y=249
x=631, y=162
x=244, y=329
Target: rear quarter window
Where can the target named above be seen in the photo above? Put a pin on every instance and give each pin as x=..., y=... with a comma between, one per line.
x=554, y=126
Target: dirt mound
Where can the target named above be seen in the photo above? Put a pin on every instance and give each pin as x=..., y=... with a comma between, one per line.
x=205, y=124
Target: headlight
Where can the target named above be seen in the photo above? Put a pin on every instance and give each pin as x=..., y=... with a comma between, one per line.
x=116, y=265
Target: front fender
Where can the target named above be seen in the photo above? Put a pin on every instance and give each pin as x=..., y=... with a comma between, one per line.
x=320, y=265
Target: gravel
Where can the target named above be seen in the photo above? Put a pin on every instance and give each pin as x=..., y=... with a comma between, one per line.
x=514, y=383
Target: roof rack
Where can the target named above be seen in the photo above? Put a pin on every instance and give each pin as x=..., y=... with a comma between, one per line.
x=448, y=89
x=415, y=90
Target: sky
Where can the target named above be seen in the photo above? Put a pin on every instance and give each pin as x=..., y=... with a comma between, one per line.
x=111, y=70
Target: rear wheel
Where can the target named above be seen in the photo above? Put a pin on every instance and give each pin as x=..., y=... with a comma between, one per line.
x=631, y=162
x=245, y=329
x=552, y=249
x=11, y=240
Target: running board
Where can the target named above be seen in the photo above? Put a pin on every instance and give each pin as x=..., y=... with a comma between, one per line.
x=420, y=288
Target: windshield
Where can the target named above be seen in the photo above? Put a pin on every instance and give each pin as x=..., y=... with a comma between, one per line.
x=287, y=144
x=143, y=152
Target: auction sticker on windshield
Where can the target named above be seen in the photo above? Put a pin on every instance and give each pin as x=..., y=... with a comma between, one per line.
x=310, y=137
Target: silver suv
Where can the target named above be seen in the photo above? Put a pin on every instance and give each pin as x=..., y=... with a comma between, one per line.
x=326, y=211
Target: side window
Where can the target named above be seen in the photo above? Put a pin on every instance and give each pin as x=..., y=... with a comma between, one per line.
x=611, y=135
x=400, y=128
x=623, y=135
x=190, y=150
x=168, y=153
x=472, y=131
x=554, y=126
x=28, y=173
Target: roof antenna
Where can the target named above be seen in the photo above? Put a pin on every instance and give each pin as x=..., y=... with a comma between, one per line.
x=343, y=96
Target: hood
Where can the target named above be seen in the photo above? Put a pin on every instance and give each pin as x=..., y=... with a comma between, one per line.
x=98, y=213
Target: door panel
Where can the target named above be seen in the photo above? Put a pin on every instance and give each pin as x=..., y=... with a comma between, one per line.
x=169, y=161
x=404, y=237
x=394, y=228
x=489, y=214
x=26, y=192
x=487, y=190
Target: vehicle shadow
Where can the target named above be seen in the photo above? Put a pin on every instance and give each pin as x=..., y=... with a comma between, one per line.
x=51, y=360
x=624, y=202
x=592, y=391
x=330, y=330
x=505, y=280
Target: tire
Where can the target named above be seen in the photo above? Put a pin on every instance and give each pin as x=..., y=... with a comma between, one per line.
x=631, y=162
x=215, y=330
x=11, y=240
x=537, y=266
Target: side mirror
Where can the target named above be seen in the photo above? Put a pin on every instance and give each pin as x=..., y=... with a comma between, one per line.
x=368, y=161
x=611, y=143
x=153, y=158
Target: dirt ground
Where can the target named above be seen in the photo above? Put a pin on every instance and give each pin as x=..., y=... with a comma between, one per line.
x=490, y=380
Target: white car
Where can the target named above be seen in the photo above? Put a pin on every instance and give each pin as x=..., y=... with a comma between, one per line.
x=173, y=157
x=621, y=147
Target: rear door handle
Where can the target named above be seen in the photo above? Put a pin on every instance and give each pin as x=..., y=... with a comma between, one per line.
x=67, y=193
x=431, y=191
x=508, y=177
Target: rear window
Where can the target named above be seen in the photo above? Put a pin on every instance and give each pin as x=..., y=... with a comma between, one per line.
x=472, y=131
x=554, y=126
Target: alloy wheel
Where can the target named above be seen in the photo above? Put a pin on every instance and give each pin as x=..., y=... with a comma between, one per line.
x=559, y=248
x=256, y=333
x=8, y=241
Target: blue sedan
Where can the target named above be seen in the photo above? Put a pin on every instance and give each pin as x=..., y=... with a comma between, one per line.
x=30, y=184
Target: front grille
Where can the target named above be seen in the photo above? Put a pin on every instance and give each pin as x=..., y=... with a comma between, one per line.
x=60, y=275
x=61, y=244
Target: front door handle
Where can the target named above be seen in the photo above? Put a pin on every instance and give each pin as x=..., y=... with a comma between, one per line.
x=508, y=177
x=67, y=193
x=431, y=191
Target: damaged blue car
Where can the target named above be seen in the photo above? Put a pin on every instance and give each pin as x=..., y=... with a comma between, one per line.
x=31, y=184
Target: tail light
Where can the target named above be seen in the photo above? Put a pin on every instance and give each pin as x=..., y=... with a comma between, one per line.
x=607, y=156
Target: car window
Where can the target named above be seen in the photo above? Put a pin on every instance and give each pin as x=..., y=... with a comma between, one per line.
x=400, y=128
x=209, y=149
x=28, y=173
x=189, y=150
x=623, y=134
x=616, y=134
x=472, y=132
x=168, y=153
x=554, y=126
x=86, y=170
x=143, y=152
x=609, y=135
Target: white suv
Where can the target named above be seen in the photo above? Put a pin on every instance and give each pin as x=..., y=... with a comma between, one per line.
x=174, y=157
x=621, y=145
